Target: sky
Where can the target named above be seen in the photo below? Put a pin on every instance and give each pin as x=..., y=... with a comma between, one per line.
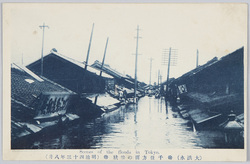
x=213, y=29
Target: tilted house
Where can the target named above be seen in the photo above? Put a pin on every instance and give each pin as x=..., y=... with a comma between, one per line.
x=33, y=99
x=216, y=88
x=71, y=73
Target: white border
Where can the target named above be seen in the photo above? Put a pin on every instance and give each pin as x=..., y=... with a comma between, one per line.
x=102, y=1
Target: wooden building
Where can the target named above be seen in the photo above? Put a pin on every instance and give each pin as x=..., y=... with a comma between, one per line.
x=71, y=74
x=214, y=89
x=120, y=79
x=36, y=102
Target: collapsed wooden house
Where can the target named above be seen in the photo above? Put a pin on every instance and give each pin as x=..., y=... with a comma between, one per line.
x=71, y=74
x=36, y=103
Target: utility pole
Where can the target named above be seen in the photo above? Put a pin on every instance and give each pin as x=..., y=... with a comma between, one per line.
x=169, y=59
x=197, y=58
x=87, y=58
x=158, y=77
x=22, y=58
x=103, y=60
x=104, y=56
x=136, y=56
x=43, y=27
x=151, y=59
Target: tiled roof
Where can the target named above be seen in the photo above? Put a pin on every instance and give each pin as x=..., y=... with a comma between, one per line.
x=24, y=69
x=25, y=88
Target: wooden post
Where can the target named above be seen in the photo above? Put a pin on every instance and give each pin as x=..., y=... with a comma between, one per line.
x=151, y=59
x=197, y=59
x=136, y=57
x=87, y=58
x=103, y=60
x=43, y=27
x=169, y=59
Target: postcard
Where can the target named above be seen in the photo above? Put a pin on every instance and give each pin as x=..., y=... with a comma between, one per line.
x=125, y=81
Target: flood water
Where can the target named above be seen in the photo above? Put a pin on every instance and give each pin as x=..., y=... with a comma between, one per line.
x=146, y=125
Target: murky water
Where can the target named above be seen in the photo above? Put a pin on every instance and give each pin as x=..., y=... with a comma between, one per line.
x=146, y=125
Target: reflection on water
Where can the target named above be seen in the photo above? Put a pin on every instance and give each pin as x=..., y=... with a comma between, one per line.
x=141, y=126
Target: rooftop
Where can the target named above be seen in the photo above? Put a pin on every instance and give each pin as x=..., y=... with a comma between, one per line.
x=79, y=64
x=107, y=69
x=27, y=86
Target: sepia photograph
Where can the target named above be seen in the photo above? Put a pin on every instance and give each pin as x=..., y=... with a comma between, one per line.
x=125, y=81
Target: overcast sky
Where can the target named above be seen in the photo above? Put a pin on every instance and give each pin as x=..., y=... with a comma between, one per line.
x=213, y=29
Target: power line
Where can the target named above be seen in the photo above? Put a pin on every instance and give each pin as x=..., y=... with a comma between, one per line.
x=171, y=60
x=165, y=57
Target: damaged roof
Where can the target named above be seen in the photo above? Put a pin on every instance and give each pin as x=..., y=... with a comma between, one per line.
x=27, y=86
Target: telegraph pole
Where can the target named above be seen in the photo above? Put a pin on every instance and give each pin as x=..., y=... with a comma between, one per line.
x=43, y=27
x=136, y=56
x=103, y=60
x=22, y=58
x=169, y=59
x=158, y=78
x=104, y=56
x=87, y=58
x=151, y=59
x=197, y=58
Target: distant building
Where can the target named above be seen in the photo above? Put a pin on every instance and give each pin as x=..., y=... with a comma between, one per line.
x=120, y=79
x=71, y=74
